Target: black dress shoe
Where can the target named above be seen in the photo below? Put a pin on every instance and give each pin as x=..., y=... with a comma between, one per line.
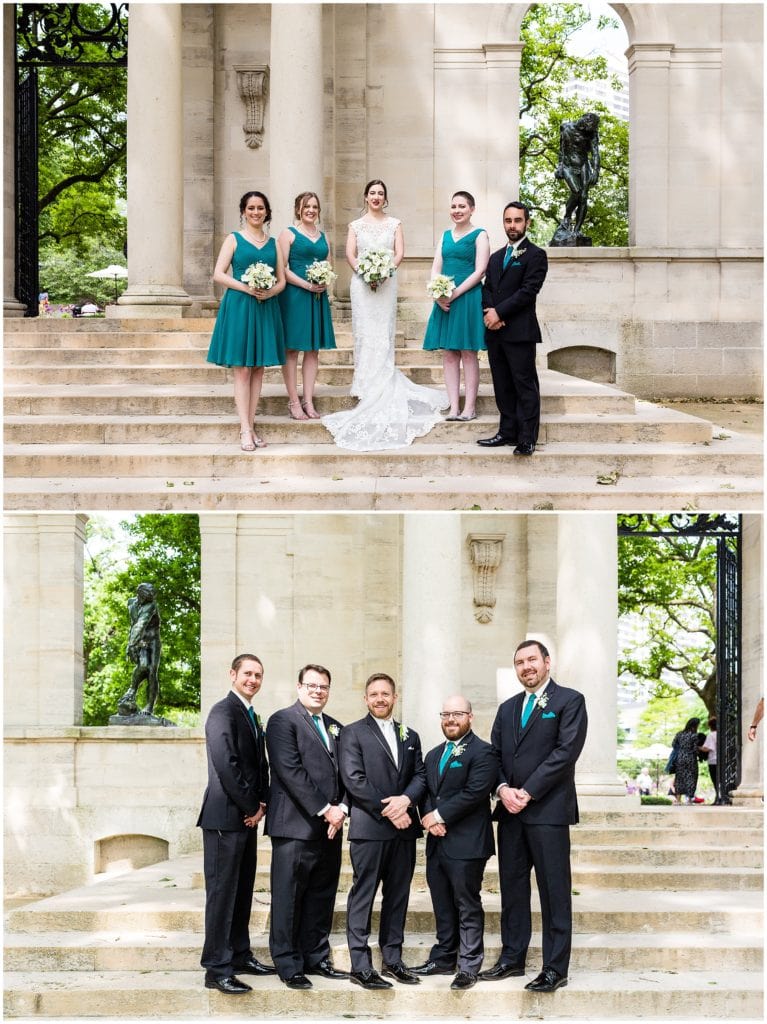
x=369, y=979
x=430, y=968
x=297, y=981
x=548, y=980
x=400, y=973
x=524, y=449
x=463, y=980
x=253, y=966
x=325, y=969
x=230, y=986
x=496, y=441
x=501, y=971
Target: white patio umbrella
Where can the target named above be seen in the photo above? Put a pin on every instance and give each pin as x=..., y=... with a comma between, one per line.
x=112, y=271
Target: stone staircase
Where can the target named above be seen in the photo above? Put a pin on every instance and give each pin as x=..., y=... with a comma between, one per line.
x=124, y=414
x=668, y=919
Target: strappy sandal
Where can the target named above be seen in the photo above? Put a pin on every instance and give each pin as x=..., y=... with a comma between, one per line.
x=251, y=446
x=259, y=442
x=291, y=408
x=311, y=414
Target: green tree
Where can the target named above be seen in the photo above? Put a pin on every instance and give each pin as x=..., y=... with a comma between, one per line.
x=548, y=63
x=664, y=716
x=64, y=274
x=669, y=582
x=164, y=550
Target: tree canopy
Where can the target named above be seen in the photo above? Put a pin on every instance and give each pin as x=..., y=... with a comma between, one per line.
x=548, y=63
x=670, y=583
x=163, y=550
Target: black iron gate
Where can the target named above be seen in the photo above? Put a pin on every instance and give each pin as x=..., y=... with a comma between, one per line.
x=49, y=35
x=725, y=530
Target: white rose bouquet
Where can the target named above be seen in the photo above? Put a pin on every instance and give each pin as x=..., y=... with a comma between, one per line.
x=375, y=265
x=259, y=275
x=320, y=272
x=441, y=286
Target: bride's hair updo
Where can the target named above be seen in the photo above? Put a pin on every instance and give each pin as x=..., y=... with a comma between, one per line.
x=300, y=202
x=377, y=181
x=260, y=195
x=467, y=196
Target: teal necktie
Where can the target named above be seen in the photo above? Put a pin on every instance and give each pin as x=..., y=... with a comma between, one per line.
x=316, y=720
x=252, y=717
x=527, y=710
x=508, y=256
x=446, y=756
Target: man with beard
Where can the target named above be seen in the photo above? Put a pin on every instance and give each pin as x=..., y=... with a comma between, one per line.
x=384, y=776
x=460, y=775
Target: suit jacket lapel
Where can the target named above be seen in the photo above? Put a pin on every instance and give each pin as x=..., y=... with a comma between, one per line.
x=307, y=718
x=536, y=712
x=252, y=731
x=463, y=742
x=378, y=735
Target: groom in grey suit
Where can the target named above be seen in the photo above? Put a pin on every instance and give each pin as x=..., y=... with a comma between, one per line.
x=384, y=776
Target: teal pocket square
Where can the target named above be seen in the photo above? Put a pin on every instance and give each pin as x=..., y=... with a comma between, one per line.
x=456, y=764
x=549, y=714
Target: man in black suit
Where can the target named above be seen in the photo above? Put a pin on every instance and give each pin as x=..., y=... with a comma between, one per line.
x=384, y=776
x=304, y=819
x=538, y=735
x=460, y=775
x=513, y=279
x=233, y=805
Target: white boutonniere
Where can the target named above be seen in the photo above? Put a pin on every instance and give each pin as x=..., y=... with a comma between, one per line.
x=258, y=721
x=334, y=731
x=457, y=751
x=521, y=252
x=403, y=732
x=542, y=701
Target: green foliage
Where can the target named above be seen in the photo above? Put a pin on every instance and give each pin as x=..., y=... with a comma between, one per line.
x=670, y=584
x=655, y=801
x=164, y=550
x=665, y=715
x=547, y=64
x=63, y=274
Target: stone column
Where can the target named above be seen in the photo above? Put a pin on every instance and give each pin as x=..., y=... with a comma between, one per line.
x=649, y=98
x=751, y=788
x=431, y=622
x=587, y=644
x=503, y=62
x=43, y=655
x=218, y=625
x=11, y=305
x=155, y=166
x=296, y=128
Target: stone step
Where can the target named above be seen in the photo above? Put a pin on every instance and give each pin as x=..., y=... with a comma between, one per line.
x=558, y=396
x=390, y=493
x=646, y=424
x=180, y=951
x=426, y=460
x=637, y=992
x=682, y=835
x=59, y=325
x=142, y=902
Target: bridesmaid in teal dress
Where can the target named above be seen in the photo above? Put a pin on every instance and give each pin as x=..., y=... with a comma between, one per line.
x=455, y=325
x=248, y=334
x=305, y=307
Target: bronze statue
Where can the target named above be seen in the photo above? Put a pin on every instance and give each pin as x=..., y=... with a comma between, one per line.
x=579, y=167
x=143, y=649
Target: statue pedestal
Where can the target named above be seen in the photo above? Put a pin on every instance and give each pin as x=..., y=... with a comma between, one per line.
x=140, y=719
x=565, y=236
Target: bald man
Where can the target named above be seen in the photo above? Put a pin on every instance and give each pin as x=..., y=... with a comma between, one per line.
x=460, y=775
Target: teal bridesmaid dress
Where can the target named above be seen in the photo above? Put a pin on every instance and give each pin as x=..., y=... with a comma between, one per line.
x=306, y=315
x=462, y=327
x=248, y=332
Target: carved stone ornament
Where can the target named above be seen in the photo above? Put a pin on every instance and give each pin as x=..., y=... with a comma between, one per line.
x=253, y=87
x=485, y=552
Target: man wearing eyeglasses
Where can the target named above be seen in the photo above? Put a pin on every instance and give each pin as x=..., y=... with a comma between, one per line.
x=460, y=775
x=305, y=817
x=538, y=736
x=383, y=772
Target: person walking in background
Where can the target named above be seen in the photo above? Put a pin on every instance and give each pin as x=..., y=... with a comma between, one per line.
x=685, y=743
x=248, y=333
x=709, y=748
x=455, y=325
x=304, y=305
x=644, y=782
x=234, y=803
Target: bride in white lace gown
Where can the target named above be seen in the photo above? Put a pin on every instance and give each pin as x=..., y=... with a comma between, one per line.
x=392, y=410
